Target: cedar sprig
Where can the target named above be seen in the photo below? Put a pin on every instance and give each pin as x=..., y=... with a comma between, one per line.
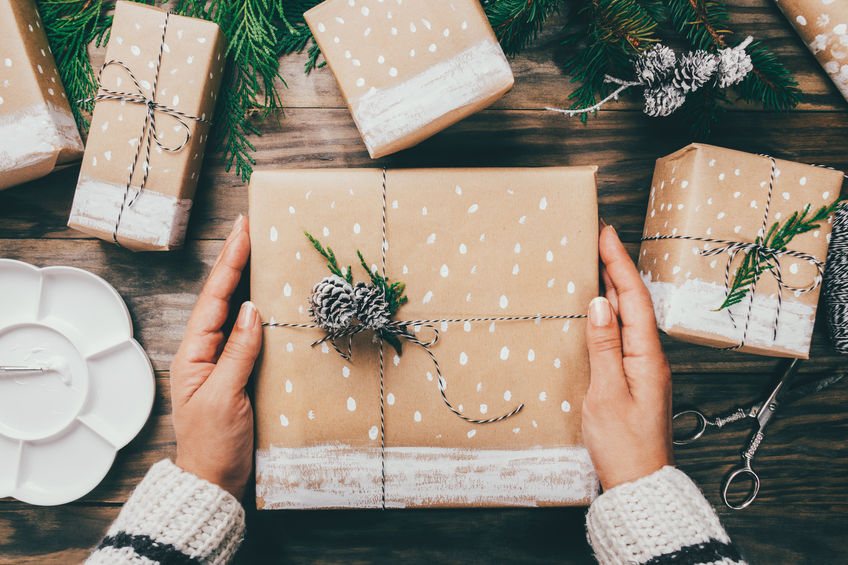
x=392, y=291
x=332, y=263
x=778, y=237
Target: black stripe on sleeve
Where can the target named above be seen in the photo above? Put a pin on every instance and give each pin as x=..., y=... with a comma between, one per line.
x=145, y=546
x=708, y=552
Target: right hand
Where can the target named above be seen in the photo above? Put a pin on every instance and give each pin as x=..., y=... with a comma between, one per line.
x=627, y=409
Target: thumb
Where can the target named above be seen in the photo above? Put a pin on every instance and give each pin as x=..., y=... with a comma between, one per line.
x=236, y=361
x=603, y=339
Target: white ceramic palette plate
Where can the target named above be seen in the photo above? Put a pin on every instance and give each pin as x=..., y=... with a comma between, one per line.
x=61, y=427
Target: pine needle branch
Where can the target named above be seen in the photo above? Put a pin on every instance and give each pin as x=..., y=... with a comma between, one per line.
x=517, y=22
x=332, y=263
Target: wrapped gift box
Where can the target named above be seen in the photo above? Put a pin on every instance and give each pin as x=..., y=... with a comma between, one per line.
x=409, y=70
x=719, y=194
x=467, y=243
x=37, y=129
x=823, y=25
x=109, y=202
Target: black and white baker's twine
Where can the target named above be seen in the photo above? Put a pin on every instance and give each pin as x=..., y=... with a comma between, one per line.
x=835, y=289
x=732, y=248
x=148, y=130
x=404, y=329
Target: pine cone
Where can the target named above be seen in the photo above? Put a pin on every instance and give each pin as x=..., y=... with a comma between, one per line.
x=654, y=65
x=663, y=100
x=332, y=303
x=694, y=70
x=733, y=66
x=373, y=311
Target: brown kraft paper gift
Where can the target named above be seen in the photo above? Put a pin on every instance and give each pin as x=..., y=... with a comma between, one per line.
x=37, y=129
x=823, y=25
x=715, y=193
x=106, y=204
x=468, y=243
x=409, y=70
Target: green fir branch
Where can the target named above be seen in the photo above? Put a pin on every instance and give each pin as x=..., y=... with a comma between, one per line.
x=392, y=291
x=759, y=261
x=605, y=35
x=704, y=24
x=295, y=34
x=518, y=22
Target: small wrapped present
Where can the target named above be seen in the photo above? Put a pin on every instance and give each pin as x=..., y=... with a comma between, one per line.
x=499, y=265
x=409, y=70
x=37, y=129
x=734, y=246
x=149, y=128
x=823, y=25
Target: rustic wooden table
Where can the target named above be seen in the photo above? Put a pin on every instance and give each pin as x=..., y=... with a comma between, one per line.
x=801, y=515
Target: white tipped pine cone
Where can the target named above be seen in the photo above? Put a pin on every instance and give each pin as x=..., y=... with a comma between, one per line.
x=332, y=303
x=654, y=65
x=373, y=310
x=733, y=66
x=663, y=100
x=694, y=70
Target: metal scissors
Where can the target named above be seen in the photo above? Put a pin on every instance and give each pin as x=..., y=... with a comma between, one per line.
x=782, y=393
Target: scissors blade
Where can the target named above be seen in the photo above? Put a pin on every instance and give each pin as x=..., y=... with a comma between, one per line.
x=770, y=404
x=811, y=387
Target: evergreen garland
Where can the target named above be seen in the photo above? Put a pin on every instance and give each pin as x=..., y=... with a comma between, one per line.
x=612, y=32
x=604, y=35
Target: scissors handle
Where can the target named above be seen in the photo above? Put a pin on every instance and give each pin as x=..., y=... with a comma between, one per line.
x=703, y=422
x=747, y=472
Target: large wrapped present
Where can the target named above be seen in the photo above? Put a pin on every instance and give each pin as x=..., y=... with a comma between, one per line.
x=734, y=247
x=37, y=129
x=823, y=25
x=499, y=264
x=410, y=69
x=149, y=129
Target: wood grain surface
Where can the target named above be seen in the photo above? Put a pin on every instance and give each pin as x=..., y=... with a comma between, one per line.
x=801, y=515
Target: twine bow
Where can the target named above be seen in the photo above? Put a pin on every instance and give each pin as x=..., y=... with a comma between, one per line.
x=758, y=254
x=148, y=130
x=401, y=329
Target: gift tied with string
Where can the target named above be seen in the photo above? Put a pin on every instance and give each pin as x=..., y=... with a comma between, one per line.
x=734, y=248
x=425, y=345
x=151, y=120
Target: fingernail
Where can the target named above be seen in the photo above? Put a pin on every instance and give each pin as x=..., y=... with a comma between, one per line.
x=247, y=315
x=238, y=224
x=602, y=222
x=600, y=312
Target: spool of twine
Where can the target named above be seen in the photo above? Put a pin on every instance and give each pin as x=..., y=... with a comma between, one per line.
x=835, y=290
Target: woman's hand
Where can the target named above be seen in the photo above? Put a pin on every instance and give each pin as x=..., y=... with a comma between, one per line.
x=627, y=409
x=213, y=419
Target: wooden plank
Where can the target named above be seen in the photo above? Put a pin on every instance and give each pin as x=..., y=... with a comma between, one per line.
x=623, y=144
x=801, y=461
x=160, y=290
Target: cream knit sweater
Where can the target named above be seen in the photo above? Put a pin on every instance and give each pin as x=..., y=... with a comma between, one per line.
x=174, y=517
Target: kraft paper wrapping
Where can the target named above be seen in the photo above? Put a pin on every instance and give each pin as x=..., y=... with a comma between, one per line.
x=823, y=25
x=468, y=242
x=189, y=77
x=707, y=191
x=37, y=129
x=409, y=70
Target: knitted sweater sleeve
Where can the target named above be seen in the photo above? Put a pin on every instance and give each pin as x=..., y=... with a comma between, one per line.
x=173, y=517
x=660, y=519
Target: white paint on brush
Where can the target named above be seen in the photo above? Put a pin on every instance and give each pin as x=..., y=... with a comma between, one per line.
x=34, y=134
x=692, y=306
x=154, y=218
x=344, y=476
x=385, y=115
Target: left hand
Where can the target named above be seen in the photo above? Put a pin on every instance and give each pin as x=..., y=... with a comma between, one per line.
x=213, y=419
